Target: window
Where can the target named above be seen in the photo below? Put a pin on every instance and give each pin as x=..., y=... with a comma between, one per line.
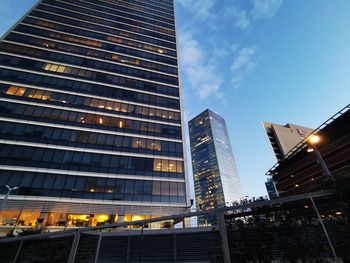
x=173, y=189
x=181, y=189
x=12, y=90
x=129, y=187
x=156, y=188
x=179, y=167
x=164, y=188
x=157, y=165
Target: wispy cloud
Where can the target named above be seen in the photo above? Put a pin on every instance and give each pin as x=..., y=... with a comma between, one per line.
x=243, y=61
x=243, y=64
x=201, y=8
x=265, y=8
x=200, y=71
x=238, y=15
x=202, y=62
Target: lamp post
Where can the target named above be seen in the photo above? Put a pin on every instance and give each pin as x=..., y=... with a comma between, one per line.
x=9, y=190
x=313, y=140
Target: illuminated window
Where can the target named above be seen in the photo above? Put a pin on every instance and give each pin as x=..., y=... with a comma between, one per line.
x=152, y=112
x=172, y=166
x=165, y=114
x=171, y=115
x=12, y=90
x=121, y=124
x=38, y=94
x=97, y=220
x=47, y=95
x=157, y=165
x=102, y=104
x=78, y=220
x=159, y=113
x=61, y=69
x=8, y=218
x=179, y=167
x=28, y=218
x=54, y=67
x=116, y=106
x=109, y=105
x=124, y=108
x=157, y=146
x=115, y=57
x=56, y=219
x=94, y=103
x=165, y=165
x=20, y=91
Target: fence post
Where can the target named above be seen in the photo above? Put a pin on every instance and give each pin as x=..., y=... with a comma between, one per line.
x=17, y=254
x=223, y=235
x=324, y=229
x=174, y=247
x=98, y=247
x=74, y=248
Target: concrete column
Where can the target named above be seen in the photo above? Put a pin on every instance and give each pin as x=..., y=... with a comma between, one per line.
x=223, y=234
x=74, y=248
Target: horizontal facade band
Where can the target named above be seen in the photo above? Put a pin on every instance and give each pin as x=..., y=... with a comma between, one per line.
x=41, y=104
x=94, y=59
x=88, y=174
x=89, y=81
x=90, y=206
x=87, y=129
x=86, y=95
x=89, y=47
x=94, y=70
x=171, y=21
x=99, y=40
x=132, y=32
x=149, y=6
x=87, y=150
x=111, y=14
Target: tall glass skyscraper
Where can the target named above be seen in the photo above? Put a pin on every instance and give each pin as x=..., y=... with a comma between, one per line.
x=215, y=174
x=90, y=114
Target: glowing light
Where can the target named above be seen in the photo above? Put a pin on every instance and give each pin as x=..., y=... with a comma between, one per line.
x=310, y=150
x=314, y=139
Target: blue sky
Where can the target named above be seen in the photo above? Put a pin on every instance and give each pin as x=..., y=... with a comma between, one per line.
x=256, y=60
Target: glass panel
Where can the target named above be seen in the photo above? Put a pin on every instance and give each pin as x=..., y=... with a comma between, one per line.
x=78, y=220
x=156, y=188
x=8, y=218
x=28, y=218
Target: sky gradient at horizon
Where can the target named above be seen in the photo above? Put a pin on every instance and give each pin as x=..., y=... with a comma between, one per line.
x=256, y=60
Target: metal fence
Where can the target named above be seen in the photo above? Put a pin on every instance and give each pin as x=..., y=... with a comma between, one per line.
x=309, y=228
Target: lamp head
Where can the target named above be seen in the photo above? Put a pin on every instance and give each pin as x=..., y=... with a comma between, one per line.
x=314, y=139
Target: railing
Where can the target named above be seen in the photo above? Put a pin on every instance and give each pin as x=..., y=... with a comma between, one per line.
x=228, y=238
x=302, y=144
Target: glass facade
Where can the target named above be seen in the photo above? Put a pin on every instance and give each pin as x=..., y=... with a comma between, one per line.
x=90, y=108
x=215, y=174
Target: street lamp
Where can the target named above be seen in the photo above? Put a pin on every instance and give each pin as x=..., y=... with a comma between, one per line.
x=313, y=140
x=9, y=190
